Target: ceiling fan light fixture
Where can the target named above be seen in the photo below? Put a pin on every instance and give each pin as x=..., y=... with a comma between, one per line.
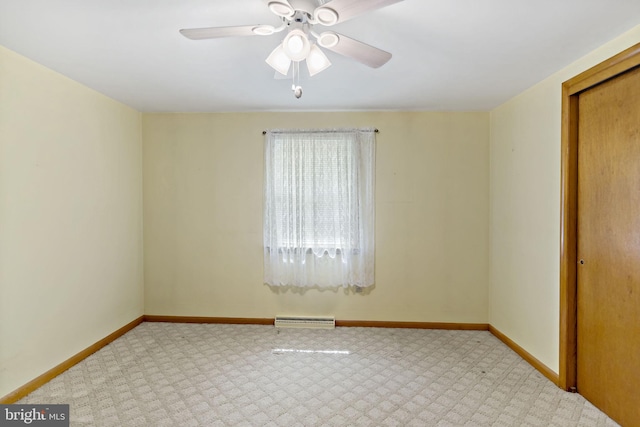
x=281, y=9
x=328, y=39
x=263, y=30
x=296, y=45
x=317, y=61
x=279, y=61
x=325, y=16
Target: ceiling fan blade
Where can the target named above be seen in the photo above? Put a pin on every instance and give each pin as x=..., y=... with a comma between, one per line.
x=361, y=52
x=347, y=9
x=218, y=32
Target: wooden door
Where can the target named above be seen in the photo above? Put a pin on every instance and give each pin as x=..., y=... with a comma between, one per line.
x=608, y=252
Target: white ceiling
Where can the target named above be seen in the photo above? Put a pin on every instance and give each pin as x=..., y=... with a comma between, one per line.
x=447, y=54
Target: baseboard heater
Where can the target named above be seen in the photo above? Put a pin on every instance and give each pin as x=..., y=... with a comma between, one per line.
x=305, y=322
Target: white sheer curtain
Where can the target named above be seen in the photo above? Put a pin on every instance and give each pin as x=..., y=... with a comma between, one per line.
x=319, y=207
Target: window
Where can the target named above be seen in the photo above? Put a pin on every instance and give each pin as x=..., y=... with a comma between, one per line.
x=319, y=210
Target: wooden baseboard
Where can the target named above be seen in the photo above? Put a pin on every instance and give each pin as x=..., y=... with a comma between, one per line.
x=340, y=323
x=414, y=325
x=196, y=319
x=57, y=370
x=541, y=367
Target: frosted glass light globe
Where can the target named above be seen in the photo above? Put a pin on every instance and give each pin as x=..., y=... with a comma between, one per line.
x=295, y=44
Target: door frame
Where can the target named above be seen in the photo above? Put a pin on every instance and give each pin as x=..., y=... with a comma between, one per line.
x=571, y=89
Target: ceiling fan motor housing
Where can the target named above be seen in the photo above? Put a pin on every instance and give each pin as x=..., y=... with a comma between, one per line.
x=306, y=6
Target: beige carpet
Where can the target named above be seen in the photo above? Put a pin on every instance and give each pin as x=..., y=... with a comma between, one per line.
x=162, y=374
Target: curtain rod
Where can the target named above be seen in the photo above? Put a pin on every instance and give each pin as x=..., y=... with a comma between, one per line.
x=264, y=132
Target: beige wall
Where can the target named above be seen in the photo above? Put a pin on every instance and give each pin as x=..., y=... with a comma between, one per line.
x=525, y=209
x=70, y=218
x=203, y=183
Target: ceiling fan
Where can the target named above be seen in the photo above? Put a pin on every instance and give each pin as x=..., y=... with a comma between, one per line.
x=302, y=42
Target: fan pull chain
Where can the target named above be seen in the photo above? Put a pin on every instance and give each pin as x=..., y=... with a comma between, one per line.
x=295, y=85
